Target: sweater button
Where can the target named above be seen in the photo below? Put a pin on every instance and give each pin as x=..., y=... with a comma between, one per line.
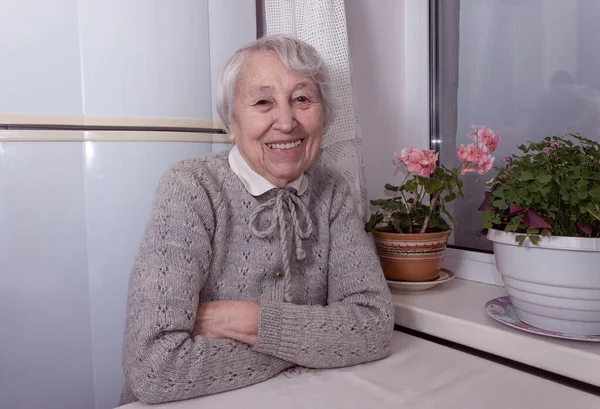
x=278, y=274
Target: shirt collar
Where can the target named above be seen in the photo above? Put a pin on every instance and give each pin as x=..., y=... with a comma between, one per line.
x=254, y=183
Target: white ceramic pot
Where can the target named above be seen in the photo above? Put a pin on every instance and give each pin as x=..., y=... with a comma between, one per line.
x=554, y=285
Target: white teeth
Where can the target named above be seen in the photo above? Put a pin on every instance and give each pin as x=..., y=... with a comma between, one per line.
x=284, y=146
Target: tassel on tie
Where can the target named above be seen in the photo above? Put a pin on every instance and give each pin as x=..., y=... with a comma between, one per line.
x=285, y=200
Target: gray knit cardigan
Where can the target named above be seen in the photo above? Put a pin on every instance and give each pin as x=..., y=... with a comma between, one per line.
x=323, y=300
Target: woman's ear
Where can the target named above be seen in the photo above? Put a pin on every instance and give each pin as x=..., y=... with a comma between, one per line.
x=232, y=131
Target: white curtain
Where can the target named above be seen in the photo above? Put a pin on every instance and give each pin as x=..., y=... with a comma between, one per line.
x=322, y=23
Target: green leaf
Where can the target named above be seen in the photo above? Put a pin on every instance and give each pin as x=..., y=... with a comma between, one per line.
x=534, y=239
x=411, y=186
x=525, y=176
x=575, y=172
x=595, y=193
x=499, y=204
x=433, y=185
x=392, y=188
x=520, y=239
x=400, y=221
x=488, y=225
x=388, y=204
x=594, y=210
x=544, y=179
x=450, y=197
x=374, y=220
x=593, y=176
x=575, y=200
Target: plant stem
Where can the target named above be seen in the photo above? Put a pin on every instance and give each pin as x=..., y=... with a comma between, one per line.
x=416, y=199
x=431, y=208
x=403, y=198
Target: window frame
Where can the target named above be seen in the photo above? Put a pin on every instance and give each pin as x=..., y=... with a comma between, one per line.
x=421, y=102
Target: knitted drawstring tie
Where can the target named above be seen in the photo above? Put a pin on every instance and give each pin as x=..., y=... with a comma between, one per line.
x=285, y=202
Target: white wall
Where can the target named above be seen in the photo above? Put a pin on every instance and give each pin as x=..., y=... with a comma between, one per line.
x=72, y=213
x=384, y=54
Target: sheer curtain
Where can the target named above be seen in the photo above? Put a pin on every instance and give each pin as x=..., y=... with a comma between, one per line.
x=526, y=68
x=322, y=23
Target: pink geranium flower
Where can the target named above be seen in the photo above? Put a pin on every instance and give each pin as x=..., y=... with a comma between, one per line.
x=417, y=161
x=475, y=158
x=485, y=163
x=551, y=146
x=483, y=135
x=468, y=153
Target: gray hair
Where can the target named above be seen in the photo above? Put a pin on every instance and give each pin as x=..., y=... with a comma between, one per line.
x=296, y=55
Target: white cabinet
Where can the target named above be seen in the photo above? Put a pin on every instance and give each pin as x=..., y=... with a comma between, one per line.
x=123, y=58
x=40, y=71
x=146, y=58
x=45, y=331
x=72, y=213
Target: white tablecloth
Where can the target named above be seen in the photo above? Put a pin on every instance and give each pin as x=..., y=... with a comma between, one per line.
x=418, y=375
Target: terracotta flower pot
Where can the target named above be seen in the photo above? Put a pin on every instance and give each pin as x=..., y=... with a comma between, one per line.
x=410, y=257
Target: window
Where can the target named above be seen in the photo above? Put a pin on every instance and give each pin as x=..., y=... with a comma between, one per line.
x=525, y=68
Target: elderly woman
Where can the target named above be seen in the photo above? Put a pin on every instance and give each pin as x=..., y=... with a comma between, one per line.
x=252, y=263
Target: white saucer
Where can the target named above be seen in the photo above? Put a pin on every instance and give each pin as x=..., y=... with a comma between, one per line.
x=502, y=311
x=445, y=275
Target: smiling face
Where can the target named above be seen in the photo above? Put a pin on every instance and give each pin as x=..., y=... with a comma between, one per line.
x=278, y=119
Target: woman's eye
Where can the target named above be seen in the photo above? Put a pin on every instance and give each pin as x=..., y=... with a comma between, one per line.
x=302, y=99
x=261, y=102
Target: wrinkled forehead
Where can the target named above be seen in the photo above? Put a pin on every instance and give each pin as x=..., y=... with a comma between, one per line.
x=264, y=72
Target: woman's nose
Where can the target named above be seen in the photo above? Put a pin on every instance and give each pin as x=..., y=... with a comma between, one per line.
x=285, y=120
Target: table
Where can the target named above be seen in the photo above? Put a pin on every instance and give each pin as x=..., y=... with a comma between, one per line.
x=417, y=375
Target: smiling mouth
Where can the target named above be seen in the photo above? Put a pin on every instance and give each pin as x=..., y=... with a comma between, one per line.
x=284, y=146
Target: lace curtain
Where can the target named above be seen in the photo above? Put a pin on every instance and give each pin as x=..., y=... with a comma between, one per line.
x=322, y=23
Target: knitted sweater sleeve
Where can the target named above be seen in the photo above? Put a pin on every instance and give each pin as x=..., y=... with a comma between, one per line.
x=162, y=361
x=356, y=324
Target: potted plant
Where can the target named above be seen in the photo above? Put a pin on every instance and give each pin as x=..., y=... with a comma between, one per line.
x=412, y=240
x=542, y=212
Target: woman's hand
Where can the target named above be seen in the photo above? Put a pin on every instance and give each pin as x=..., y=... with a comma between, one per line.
x=228, y=319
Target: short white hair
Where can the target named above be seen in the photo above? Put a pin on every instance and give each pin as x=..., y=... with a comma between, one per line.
x=298, y=56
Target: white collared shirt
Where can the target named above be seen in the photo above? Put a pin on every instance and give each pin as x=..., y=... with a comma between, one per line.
x=254, y=183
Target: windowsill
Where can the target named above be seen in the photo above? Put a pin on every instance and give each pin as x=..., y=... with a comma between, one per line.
x=455, y=311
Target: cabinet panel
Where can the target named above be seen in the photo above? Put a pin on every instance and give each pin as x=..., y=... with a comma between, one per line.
x=40, y=69
x=146, y=58
x=46, y=354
